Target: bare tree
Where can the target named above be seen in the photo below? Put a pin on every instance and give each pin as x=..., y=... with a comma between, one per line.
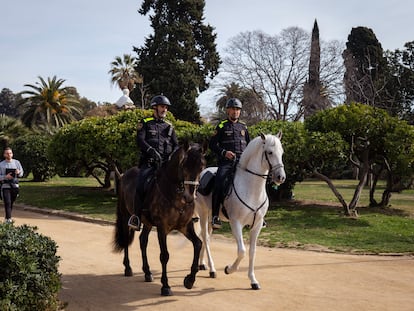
x=277, y=67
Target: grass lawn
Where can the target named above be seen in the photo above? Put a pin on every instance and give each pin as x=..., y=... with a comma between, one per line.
x=80, y=195
x=313, y=220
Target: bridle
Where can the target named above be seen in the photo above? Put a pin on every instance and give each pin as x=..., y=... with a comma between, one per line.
x=182, y=184
x=180, y=189
x=271, y=168
x=265, y=176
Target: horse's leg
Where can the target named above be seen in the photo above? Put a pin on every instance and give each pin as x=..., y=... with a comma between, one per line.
x=192, y=236
x=202, y=264
x=206, y=232
x=254, y=234
x=128, y=269
x=164, y=257
x=143, y=240
x=237, y=231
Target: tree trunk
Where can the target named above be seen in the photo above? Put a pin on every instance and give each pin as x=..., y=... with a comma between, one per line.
x=358, y=190
x=372, y=201
x=335, y=191
x=386, y=197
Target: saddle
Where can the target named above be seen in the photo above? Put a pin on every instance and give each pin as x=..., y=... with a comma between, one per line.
x=207, y=182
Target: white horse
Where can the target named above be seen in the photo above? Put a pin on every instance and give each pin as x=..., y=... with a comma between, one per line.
x=247, y=202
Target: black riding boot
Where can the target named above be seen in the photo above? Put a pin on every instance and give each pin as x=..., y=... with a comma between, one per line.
x=216, y=222
x=134, y=221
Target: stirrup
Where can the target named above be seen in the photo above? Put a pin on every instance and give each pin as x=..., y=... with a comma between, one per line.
x=216, y=222
x=134, y=223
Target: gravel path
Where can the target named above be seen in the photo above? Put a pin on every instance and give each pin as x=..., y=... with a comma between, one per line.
x=93, y=278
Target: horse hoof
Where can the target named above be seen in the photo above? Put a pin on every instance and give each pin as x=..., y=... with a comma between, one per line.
x=226, y=270
x=255, y=286
x=166, y=291
x=149, y=278
x=189, y=281
x=128, y=272
x=202, y=267
x=213, y=275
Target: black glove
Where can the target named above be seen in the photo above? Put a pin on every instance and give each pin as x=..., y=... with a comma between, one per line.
x=153, y=154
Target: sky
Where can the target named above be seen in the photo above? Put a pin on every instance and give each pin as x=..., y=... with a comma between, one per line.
x=76, y=40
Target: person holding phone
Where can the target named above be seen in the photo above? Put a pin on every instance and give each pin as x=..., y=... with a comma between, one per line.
x=10, y=170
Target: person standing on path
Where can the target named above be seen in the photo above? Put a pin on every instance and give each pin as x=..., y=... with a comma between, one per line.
x=10, y=170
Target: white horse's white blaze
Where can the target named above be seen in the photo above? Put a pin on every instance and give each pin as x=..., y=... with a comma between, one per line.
x=247, y=203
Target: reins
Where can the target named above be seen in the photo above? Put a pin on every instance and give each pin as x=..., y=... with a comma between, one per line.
x=271, y=168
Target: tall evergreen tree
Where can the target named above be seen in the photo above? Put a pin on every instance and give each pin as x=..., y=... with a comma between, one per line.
x=366, y=68
x=180, y=56
x=8, y=102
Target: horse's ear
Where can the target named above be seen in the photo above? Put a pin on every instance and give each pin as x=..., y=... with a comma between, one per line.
x=185, y=145
x=262, y=136
x=279, y=135
x=204, y=147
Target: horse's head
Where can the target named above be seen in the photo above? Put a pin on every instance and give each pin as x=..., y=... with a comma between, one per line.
x=188, y=162
x=272, y=155
x=193, y=164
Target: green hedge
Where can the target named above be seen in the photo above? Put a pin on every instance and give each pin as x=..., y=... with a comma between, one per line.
x=28, y=270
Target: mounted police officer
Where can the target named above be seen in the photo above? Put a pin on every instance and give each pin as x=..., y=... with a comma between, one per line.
x=228, y=142
x=157, y=140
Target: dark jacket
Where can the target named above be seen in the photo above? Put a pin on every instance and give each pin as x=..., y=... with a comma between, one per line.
x=157, y=134
x=229, y=136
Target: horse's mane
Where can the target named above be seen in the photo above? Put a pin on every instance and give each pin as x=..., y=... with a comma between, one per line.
x=171, y=167
x=174, y=166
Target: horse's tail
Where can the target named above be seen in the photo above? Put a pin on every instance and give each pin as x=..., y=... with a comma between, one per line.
x=123, y=235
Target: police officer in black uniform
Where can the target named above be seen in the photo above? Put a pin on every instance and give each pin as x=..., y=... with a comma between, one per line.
x=228, y=142
x=157, y=140
x=156, y=137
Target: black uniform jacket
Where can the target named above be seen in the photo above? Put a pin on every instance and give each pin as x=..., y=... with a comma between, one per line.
x=158, y=134
x=229, y=136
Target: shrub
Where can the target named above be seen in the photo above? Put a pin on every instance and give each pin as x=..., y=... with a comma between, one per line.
x=31, y=151
x=28, y=270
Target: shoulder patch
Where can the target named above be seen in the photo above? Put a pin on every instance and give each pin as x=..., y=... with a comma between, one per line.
x=221, y=124
x=148, y=119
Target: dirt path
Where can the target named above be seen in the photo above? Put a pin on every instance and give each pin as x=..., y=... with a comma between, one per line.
x=93, y=278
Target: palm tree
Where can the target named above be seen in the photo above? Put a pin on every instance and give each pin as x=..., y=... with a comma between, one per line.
x=49, y=105
x=123, y=72
x=10, y=128
x=254, y=108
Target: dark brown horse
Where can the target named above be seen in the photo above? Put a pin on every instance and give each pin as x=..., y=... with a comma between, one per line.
x=169, y=205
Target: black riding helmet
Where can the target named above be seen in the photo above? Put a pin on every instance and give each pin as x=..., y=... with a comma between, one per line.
x=234, y=103
x=160, y=100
